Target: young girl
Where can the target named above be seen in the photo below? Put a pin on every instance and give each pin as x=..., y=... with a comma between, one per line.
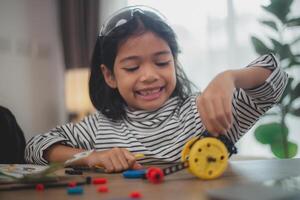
x=144, y=99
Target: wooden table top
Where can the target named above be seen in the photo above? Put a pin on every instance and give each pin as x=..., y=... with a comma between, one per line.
x=180, y=185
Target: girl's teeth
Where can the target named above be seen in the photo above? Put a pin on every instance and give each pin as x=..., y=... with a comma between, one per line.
x=147, y=92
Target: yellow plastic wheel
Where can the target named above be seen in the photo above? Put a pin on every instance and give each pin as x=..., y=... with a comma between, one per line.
x=208, y=158
x=186, y=149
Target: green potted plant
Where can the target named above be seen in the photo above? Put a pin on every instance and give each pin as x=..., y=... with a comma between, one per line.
x=275, y=133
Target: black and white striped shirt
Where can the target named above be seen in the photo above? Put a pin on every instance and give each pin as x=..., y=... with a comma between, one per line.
x=161, y=134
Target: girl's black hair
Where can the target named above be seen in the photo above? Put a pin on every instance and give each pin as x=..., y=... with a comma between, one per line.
x=108, y=100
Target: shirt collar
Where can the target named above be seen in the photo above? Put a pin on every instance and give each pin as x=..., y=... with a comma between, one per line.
x=151, y=119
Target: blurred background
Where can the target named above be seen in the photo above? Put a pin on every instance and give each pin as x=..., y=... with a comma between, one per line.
x=45, y=47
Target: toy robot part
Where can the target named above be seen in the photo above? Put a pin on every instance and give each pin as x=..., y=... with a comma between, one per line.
x=135, y=173
x=208, y=158
x=155, y=175
x=186, y=149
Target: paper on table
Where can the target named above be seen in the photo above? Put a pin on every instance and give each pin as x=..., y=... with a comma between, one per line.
x=31, y=172
x=20, y=170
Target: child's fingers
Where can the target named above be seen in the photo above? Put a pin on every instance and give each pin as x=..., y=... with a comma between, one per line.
x=136, y=166
x=108, y=164
x=118, y=159
x=117, y=166
x=122, y=159
x=129, y=157
x=213, y=116
x=221, y=117
x=216, y=127
x=114, y=160
x=218, y=118
x=208, y=117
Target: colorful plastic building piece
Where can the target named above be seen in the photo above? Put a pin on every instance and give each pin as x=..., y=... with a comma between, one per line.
x=135, y=173
x=135, y=195
x=75, y=190
x=103, y=188
x=72, y=184
x=208, y=158
x=40, y=187
x=155, y=175
x=97, y=181
x=88, y=180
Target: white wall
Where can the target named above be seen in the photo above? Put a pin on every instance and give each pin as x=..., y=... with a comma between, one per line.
x=31, y=64
x=109, y=7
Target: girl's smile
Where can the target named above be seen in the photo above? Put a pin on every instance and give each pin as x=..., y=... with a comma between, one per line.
x=149, y=94
x=144, y=71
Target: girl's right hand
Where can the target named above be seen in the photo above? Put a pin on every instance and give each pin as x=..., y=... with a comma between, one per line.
x=113, y=160
x=215, y=104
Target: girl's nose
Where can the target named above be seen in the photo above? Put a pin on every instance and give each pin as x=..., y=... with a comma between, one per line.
x=149, y=74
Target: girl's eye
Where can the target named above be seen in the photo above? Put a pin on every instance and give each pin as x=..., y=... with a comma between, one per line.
x=131, y=69
x=162, y=64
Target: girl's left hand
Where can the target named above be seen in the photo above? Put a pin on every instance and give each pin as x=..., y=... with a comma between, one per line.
x=214, y=104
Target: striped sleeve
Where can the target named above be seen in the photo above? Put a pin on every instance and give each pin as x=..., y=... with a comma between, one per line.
x=249, y=105
x=80, y=135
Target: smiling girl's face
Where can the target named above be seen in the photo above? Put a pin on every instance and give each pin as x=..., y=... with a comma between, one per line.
x=144, y=71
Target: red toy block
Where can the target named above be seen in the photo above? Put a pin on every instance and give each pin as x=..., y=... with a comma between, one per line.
x=135, y=195
x=72, y=184
x=155, y=175
x=39, y=187
x=103, y=188
x=97, y=181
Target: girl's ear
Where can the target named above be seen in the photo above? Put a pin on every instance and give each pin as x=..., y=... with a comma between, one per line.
x=108, y=76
